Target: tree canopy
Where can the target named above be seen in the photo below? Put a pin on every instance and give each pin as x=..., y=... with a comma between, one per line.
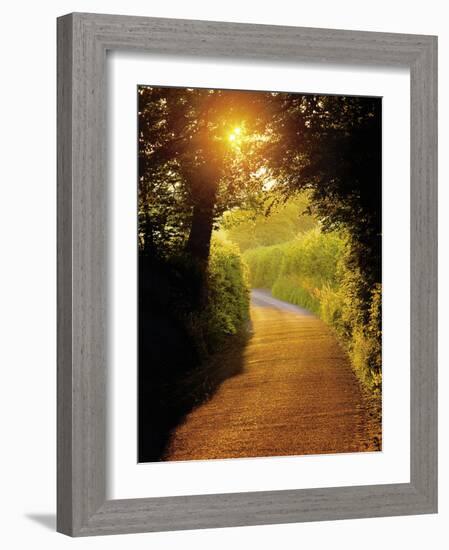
x=196, y=160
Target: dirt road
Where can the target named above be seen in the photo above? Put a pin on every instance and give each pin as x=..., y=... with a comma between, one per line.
x=296, y=394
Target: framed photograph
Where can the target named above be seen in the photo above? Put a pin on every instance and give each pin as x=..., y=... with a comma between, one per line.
x=247, y=274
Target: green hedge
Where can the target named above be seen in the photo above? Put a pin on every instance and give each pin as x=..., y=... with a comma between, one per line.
x=228, y=288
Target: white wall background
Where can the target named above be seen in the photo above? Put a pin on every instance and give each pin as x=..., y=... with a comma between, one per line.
x=27, y=273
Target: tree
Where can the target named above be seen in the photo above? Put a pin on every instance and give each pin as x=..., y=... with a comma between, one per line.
x=332, y=146
x=195, y=162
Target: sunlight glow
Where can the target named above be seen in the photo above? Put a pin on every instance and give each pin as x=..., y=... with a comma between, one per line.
x=235, y=134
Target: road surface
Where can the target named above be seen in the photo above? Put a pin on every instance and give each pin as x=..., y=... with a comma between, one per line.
x=296, y=394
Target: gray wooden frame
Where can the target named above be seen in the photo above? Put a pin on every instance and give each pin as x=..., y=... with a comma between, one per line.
x=83, y=40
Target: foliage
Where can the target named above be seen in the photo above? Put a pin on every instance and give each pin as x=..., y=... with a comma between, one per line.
x=289, y=289
x=315, y=271
x=331, y=146
x=344, y=309
x=175, y=290
x=227, y=307
x=274, y=224
x=312, y=258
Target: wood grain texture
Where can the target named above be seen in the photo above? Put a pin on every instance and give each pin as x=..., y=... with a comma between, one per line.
x=83, y=40
x=423, y=276
x=64, y=278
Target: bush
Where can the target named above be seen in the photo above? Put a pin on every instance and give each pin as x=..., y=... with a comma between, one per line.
x=312, y=257
x=366, y=349
x=288, y=288
x=315, y=271
x=200, y=309
x=228, y=293
x=264, y=265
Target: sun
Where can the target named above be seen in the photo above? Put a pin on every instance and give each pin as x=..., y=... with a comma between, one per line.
x=235, y=134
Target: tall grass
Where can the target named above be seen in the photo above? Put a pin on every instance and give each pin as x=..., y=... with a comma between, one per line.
x=313, y=271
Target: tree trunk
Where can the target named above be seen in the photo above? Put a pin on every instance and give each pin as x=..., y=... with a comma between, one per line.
x=201, y=232
x=198, y=244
